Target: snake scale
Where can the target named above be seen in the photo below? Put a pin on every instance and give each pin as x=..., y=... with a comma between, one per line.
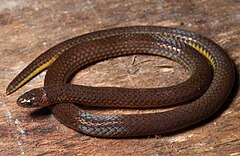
x=211, y=80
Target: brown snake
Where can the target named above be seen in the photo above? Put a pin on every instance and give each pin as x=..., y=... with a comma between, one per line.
x=212, y=77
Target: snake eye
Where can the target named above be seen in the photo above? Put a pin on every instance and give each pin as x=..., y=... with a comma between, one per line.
x=26, y=101
x=34, y=98
x=29, y=99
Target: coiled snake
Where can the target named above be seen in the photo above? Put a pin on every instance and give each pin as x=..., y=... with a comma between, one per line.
x=212, y=77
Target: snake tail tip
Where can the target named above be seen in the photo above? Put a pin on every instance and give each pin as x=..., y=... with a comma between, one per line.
x=9, y=91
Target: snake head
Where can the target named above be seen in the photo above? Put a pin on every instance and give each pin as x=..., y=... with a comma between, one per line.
x=33, y=98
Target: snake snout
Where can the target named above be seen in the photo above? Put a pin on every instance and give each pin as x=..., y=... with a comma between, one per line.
x=34, y=98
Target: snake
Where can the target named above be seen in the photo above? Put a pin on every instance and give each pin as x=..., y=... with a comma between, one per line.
x=197, y=98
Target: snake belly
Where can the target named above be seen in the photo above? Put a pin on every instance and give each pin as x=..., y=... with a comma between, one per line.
x=169, y=42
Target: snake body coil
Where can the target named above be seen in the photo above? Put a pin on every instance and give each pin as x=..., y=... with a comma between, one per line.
x=212, y=77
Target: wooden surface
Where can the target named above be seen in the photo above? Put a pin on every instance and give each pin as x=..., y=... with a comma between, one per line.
x=29, y=27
